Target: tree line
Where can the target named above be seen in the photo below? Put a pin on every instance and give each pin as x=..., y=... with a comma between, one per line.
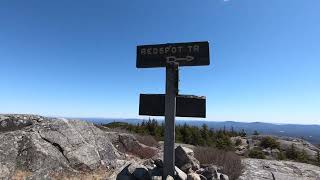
x=198, y=136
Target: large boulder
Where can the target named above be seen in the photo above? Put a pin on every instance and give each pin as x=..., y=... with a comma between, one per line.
x=241, y=145
x=128, y=143
x=84, y=145
x=11, y=122
x=28, y=152
x=279, y=170
x=184, y=159
x=48, y=147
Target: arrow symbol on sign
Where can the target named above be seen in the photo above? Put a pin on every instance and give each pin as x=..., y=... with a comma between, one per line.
x=171, y=59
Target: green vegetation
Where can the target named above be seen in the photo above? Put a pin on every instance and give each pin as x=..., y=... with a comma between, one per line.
x=238, y=142
x=269, y=142
x=199, y=136
x=149, y=130
x=256, y=133
x=318, y=158
x=292, y=153
x=300, y=156
x=256, y=153
x=281, y=155
x=303, y=156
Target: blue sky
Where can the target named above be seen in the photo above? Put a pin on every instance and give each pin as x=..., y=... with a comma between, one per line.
x=77, y=58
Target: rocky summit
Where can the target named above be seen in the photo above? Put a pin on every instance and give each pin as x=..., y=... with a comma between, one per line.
x=42, y=147
x=283, y=170
x=36, y=147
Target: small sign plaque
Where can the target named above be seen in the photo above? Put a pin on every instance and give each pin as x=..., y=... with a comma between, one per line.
x=186, y=106
x=186, y=54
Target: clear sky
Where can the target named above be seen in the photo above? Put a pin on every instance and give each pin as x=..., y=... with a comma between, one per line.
x=77, y=58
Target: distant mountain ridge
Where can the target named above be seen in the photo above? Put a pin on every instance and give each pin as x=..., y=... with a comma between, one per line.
x=310, y=133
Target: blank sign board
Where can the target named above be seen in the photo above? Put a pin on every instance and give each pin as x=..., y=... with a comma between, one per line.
x=186, y=105
x=186, y=54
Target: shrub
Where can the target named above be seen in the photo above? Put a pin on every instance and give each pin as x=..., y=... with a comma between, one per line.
x=238, y=142
x=256, y=153
x=281, y=155
x=292, y=153
x=230, y=162
x=224, y=143
x=243, y=133
x=269, y=142
x=303, y=156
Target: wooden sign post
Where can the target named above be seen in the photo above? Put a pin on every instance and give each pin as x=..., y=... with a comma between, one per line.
x=172, y=104
x=170, y=115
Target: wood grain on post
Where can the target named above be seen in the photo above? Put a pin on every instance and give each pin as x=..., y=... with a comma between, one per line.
x=170, y=113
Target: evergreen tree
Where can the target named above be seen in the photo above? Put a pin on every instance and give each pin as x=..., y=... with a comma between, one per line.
x=224, y=143
x=162, y=130
x=256, y=132
x=178, y=135
x=205, y=135
x=243, y=133
x=269, y=142
x=318, y=157
x=186, y=134
x=291, y=153
x=195, y=135
x=232, y=130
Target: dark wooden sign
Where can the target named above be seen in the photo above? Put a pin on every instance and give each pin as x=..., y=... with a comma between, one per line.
x=186, y=54
x=186, y=105
x=172, y=104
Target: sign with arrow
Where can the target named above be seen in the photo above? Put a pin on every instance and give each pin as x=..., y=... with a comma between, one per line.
x=172, y=104
x=186, y=54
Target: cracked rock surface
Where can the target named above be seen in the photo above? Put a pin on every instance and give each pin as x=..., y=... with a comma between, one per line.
x=44, y=146
x=256, y=169
x=35, y=147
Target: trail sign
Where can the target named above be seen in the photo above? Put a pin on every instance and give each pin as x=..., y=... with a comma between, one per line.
x=186, y=54
x=186, y=105
x=172, y=104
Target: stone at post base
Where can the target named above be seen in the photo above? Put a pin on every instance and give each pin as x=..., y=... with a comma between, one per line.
x=169, y=178
x=193, y=176
x=185, y=160
x=156, y=178
x=224, y=177
x=180, y=175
